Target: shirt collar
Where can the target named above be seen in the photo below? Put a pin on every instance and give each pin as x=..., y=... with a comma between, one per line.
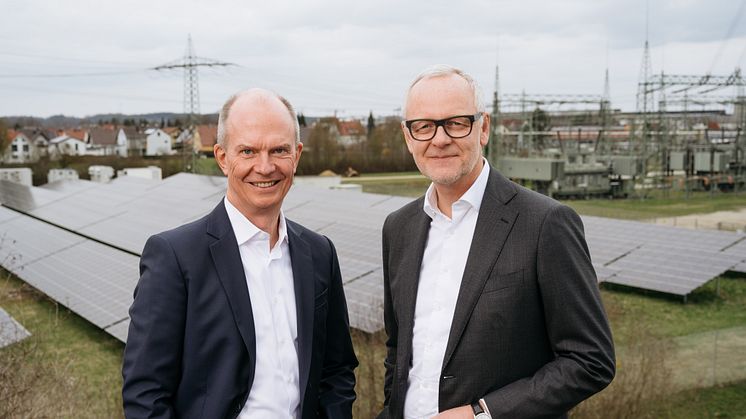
x=473, y=196
x=245, y=230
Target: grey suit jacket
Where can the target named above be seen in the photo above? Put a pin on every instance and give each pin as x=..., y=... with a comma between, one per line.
x=529, y=333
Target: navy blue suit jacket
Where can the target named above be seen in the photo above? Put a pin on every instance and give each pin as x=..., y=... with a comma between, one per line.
x=191, y=347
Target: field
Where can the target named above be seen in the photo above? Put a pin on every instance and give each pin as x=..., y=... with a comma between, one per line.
x=673, y=351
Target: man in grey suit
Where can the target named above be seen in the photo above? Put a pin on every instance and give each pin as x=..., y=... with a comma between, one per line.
x=491, y=305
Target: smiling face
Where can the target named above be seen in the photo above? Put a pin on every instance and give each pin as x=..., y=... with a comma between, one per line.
x=450, y=163
x=260, y=154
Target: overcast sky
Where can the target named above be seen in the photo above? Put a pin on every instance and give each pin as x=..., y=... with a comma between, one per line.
x=347, y=56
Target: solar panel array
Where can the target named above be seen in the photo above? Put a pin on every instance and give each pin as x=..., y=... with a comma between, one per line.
x=79, y=242
x=661, y=258
x=92, y=279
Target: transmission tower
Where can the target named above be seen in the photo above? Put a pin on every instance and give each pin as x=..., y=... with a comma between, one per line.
x=644, y=95
x=605, y=115
x=493, y=145
x=191, y=63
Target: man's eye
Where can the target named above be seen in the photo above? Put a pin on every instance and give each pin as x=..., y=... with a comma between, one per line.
x=281, y=150
x=422, y=126
x=247, y=151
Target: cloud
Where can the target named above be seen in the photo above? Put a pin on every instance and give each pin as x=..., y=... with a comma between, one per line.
x=349, y=57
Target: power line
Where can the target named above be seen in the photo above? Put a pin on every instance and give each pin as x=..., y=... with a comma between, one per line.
x=70, y=75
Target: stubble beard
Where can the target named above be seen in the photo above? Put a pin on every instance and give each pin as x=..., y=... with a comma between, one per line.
x=449, y=179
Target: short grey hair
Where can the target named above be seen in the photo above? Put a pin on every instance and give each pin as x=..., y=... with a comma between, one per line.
x=226, y=109
x=440, y=70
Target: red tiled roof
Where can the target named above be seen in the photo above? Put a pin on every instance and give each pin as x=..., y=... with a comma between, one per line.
x=78, y=134
x=353, y=127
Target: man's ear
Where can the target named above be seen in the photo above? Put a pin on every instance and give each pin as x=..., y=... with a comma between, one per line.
x=298, y=151
x=407, y=140
x=220, y=158
x=484, y=134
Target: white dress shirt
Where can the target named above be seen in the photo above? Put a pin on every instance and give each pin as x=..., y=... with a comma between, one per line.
x=443, y=264
x=275, y=391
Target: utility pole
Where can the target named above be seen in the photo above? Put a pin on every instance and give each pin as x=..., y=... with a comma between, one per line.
x=494, y=145
x=191, y=63
x=644, y=103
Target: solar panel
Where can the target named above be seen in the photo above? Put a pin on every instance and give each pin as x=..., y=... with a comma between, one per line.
x=91, y=279
x=10, y=330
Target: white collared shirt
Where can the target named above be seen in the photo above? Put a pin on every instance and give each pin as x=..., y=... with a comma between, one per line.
x=442, y=269
x=275, y=391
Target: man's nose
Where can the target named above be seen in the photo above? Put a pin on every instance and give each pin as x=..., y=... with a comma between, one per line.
x=265, y=165
x=441, y=138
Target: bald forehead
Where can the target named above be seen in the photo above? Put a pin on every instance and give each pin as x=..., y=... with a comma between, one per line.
x=426, y=90
x=258, y=100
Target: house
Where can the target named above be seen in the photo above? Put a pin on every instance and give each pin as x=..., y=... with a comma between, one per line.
x=205, y=138
x=130, y=142
x=102, y=141
x=19, y=148
x=65, y=145
x=25, y=145
x=39, y=140
x=157, y=142
x=350, y=132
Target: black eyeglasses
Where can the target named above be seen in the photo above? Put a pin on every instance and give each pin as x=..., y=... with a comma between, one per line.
x=455, y=127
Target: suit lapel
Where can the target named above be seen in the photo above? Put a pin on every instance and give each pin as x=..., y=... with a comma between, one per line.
x=303, y=279
x=494, y=222
x=227, y=260
x=415, y=236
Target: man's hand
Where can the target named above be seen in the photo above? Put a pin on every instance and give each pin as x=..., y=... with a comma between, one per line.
x=463, y=412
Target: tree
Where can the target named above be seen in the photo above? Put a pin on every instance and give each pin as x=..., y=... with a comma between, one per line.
x=3, y=135
x=540, y=122
x=371, y=123
x=302, y=120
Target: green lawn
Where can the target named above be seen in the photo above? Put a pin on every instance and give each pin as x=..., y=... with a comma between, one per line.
x=670, y=316
x=727, y=401
x=76, y=365
x=658, y=207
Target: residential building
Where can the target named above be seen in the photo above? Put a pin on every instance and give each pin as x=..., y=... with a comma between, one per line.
x=157, y=143
x=102, y=141
x=205, y=137
x=351, y=132
x=20, y=148
x=67, y=146
x=135, y=142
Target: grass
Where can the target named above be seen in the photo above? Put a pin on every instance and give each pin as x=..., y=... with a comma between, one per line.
x=86, y=359
x=658, y=206
x=94, y=358
x=670, y=317
x=728, y=401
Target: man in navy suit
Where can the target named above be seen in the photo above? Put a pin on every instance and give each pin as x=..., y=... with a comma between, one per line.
x=242, y=313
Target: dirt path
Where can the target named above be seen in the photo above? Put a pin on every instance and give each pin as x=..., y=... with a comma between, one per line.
x=709, y=358
x=364, y=179
x=720, y=220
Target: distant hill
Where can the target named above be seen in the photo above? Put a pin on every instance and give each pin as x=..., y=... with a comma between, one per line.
x=62, y=121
